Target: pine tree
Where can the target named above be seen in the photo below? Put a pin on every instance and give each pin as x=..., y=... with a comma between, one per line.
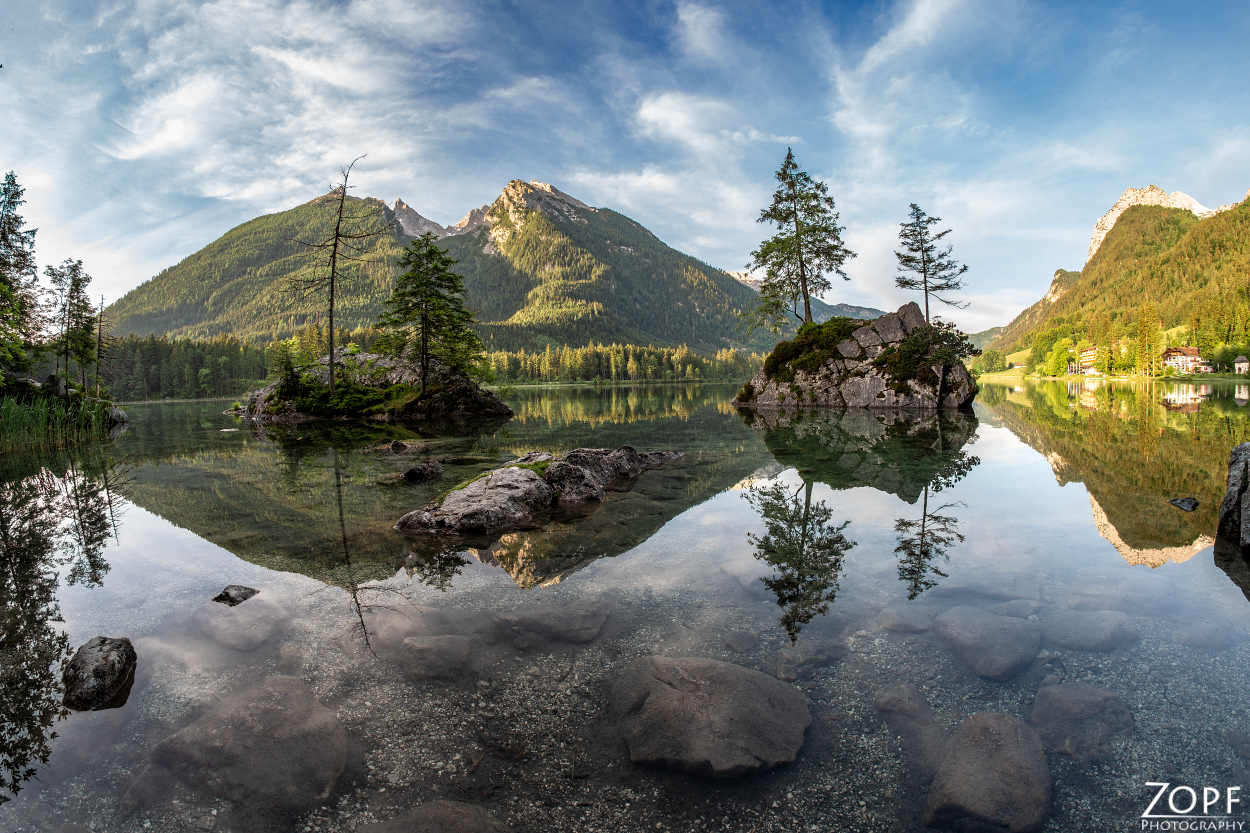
x=21, y=309
x=1148, y=338
x=74, y=315
x=808, y=246
x=935, y=272
x=426, y=317
x=345, y=244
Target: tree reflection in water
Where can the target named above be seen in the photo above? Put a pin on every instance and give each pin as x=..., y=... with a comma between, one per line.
x=53, y=516
x=804, y=549
x=924, y=543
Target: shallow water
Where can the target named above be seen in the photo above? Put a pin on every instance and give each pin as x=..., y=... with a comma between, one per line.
x=1053, y=493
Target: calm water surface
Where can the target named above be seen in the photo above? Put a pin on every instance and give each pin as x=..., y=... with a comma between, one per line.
x=783, y=537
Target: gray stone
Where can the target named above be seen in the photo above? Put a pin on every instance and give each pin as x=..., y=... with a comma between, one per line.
x=1187, y=504
x=516, y=497
x=1203, y=635
x=531, y=629
x=1079, y=720
x=270, y=749
x=234, y=594
x=994, y=778
x=911, y=316
x=741, y=641
x=100, y=674
x=808, y=654
x=1233, y=529
x=441, y=817
x=910, y=717
x=504, y=498
x=1019, y=608
x=707, y=717
x=434, y=657
x=994, y=647
x=421, y=472
x=245, y=625
x=889, y=327
x=907, y=618
x=849, y=348
x=1102, y=630
x=866, y=336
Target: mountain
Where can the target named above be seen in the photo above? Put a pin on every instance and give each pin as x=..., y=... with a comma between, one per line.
x=540, y=267
x=1166, y=248
x=821, y=311
x=981, y=339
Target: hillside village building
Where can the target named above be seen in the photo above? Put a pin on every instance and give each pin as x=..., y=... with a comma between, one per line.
x=1185, y=360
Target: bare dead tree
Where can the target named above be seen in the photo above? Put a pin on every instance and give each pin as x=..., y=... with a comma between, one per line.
x=346, y=243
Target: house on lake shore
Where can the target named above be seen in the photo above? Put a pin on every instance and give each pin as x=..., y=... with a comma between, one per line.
x=1185, y=360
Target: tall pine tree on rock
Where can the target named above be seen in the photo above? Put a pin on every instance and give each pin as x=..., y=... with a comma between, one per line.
x=923, y=265
x=807, y=248
x=426, y=318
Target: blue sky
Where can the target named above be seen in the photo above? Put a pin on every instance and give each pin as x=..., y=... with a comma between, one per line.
x=144, y=129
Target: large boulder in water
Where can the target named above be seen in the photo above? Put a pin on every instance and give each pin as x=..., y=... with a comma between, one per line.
x=846, y=363
x=708, y=717
x=522, y=492
x=994, y=647
x=270, y=750
x=994, y=778
x=100, y=674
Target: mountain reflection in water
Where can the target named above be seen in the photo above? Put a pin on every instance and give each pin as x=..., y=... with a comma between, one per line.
x=1134, y=446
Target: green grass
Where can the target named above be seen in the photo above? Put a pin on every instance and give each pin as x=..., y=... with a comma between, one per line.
x=50, y=422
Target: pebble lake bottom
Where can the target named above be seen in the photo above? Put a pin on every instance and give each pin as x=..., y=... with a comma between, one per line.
x=946, y=599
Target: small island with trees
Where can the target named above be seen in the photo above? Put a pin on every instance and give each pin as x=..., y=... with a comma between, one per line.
x=900, y=360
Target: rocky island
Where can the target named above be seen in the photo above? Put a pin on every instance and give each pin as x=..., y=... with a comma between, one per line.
x=373, y=387
x=895, y=361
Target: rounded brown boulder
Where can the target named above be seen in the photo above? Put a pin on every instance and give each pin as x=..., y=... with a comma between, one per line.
x=994, y=778
x=708, y=717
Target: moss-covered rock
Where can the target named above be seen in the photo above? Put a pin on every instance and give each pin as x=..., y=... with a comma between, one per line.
x=896, y=361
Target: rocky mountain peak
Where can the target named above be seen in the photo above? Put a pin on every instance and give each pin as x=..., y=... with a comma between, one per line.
x=470, y=221
x=1150, y=195
x=413, y=224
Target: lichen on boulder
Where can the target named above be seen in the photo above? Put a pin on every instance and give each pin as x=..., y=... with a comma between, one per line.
x=896, y=361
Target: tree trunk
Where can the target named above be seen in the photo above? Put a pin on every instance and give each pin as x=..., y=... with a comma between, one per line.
x=334, y=260
x=798, y=248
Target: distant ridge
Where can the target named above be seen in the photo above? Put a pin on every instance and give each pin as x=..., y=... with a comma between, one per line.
x=541, y=267
x=821, y=311
x=1186, y=259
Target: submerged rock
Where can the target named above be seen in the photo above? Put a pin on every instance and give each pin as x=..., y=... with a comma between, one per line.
x=1079, y=720
x=521, y=493
x=100, y=674
x=910, y=717
x=708, y=717
x=529, y=629
x=994, y=778
x=994, y=647
x=234, y=594
x=907, y=618
x=441, y=817
x=1206, y=636
x=741, y=641
x=434, y=657
x=1187, y=504
x=1102, y=630
x=421, y=472
x=244, y=625
x=271, y=750
x=805, y=372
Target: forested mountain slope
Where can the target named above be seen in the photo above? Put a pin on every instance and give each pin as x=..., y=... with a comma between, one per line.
x=540, y=268
x=1192, y=270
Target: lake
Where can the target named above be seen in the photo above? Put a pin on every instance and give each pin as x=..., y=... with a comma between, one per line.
x=816, y=549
